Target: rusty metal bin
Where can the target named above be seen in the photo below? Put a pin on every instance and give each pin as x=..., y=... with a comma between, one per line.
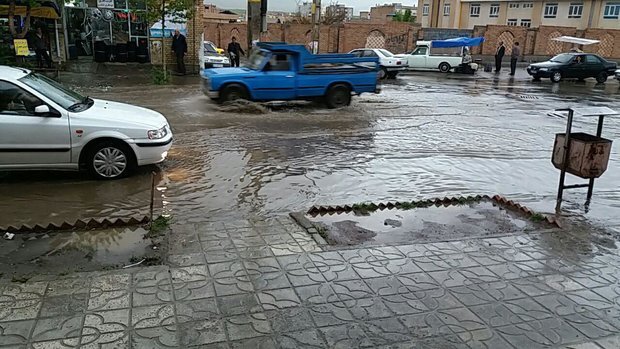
x=588, y=156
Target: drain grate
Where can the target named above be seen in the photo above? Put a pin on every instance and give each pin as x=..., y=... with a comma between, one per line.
x=528, y=97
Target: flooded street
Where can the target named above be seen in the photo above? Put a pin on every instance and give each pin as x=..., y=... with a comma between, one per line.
x=426, y=135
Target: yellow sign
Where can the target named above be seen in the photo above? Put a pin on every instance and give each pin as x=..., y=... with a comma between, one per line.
x=21, y=47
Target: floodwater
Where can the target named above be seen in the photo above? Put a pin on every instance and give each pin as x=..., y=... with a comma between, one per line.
x=426, y=135
x=396, y=226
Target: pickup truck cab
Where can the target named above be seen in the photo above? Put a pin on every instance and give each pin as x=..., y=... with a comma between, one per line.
x=278, y=71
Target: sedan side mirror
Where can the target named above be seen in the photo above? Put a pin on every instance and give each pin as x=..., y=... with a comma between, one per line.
x=44, y=110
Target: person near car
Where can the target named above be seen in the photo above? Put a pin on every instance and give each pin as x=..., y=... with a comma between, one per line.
x=179, y=47
x=499, y=56
x=40, y=49
x=514, y=57
x=235, y=51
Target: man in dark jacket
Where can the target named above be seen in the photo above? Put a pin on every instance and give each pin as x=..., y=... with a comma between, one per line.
x=40, y=48
x=235, y=51
x=499, y=55
x=179, y=47
x=514, y=57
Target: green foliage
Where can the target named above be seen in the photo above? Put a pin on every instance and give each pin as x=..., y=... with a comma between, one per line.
x=405, y=16
x=160, y=77
x=159, y=226
x=7, y=55
x=179, y=10
x=537, y=217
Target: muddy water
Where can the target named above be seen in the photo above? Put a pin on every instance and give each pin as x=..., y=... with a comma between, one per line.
x=426, y=135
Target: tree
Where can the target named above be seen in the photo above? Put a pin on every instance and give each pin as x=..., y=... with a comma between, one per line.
x=29, y=5
x=406, y=16
x=178, y=11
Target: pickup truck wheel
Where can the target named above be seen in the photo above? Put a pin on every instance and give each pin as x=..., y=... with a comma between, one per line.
x=383, y=73
x=110, y=160
x=444, y=67
x=392, y=75
x=232, y=93
x=556, y=77
x=601, y=77
x=338, y=96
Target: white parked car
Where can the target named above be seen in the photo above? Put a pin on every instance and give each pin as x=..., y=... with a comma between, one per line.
x=212, y=57
x=618, y=74
x=390, y=65
x=44, y=125
x=443, y=59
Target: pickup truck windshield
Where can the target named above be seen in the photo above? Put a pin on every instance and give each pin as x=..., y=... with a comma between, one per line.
x=53, y=90
x=256, y=59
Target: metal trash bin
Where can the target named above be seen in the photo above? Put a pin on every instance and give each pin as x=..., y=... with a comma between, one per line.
x=588, y=154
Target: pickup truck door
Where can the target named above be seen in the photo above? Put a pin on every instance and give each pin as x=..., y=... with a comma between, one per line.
x=28, y=138
x=277, y=81
x=418, y=58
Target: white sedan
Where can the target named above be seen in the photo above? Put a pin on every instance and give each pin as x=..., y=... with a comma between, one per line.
x=618, y=74
x=390, y=65
x=44, y=125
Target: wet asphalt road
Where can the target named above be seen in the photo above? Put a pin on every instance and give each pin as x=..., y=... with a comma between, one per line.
x=426, y=135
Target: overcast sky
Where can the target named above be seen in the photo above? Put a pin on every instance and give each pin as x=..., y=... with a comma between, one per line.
x=291, y=5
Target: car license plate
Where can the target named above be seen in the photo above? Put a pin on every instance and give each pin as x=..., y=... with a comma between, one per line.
x=217, y=65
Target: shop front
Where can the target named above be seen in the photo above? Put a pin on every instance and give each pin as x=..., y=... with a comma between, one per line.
x=108, y=31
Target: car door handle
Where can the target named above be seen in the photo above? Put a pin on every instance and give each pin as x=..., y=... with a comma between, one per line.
x=248, y=77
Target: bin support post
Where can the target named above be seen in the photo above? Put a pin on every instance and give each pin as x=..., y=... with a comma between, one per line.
x=599, y=132
x=569, y=126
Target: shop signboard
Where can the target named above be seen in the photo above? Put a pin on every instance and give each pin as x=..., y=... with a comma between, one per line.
x=105, y=3
x=21, y=47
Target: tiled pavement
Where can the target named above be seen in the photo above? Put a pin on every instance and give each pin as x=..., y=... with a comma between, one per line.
x=268, y=285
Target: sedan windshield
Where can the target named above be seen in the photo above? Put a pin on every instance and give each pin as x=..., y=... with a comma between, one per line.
x=386, y=53
x=56, y=92
x=562, y=58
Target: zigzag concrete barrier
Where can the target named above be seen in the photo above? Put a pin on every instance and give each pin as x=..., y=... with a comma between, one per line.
x=446, y=201
x=78, y=224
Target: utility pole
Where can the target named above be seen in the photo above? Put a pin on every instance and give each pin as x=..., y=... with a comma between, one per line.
x=256, y=20
x=316, y=25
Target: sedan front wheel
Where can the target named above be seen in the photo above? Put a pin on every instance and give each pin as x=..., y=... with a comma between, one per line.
x=556, y=76
x=110, y=160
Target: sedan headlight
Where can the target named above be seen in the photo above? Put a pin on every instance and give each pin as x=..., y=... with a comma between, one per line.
x=158, y=134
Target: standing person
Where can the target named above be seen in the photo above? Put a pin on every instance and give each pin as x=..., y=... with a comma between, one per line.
x=235, y=51
x=514, y=57
x=179, y=47
x=40, y=48
x=499, y=56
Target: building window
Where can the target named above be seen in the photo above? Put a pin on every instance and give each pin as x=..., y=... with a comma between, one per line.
x=528, y=5
x=425, y=9
x=474, y=10
x=494, y=11
x=512, y=22
x=513, y=5
x=575, y=10
x=612, y=10
x=551, y=10
x=526, y=23
x=446, y=9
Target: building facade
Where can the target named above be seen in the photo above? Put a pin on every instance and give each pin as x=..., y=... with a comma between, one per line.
x=336, y=10
x=304, y=9
x=465, y=14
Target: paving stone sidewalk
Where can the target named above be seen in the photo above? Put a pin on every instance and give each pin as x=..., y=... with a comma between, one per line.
x=268, y=285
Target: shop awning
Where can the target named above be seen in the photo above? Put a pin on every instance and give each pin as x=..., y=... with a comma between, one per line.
x=574, y=40
x=44, y=9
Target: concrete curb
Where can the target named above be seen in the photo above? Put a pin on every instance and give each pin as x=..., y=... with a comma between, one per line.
x=78, y=224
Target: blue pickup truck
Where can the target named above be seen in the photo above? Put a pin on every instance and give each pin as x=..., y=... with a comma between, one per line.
x=278, y=71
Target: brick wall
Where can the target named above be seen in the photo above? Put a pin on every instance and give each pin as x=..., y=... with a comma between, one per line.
x=401, y=37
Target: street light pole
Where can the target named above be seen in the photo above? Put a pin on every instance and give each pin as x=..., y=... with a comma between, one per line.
x=316, y=22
